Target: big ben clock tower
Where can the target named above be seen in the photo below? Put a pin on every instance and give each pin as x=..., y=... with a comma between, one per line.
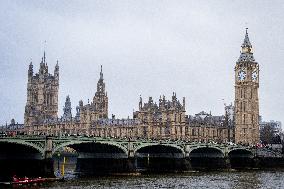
x=246, y=96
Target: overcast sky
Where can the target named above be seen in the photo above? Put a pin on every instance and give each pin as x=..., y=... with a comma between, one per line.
x=146, y=47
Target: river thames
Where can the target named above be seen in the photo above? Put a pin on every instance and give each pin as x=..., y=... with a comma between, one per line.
x=215, y=180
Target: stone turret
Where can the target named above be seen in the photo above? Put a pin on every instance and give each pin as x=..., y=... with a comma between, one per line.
x=30, y=72
x=67, y=109
x=98, y=108
x=100, y=100
x=56, y=72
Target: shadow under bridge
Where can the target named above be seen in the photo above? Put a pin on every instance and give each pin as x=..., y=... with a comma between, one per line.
x=99, y=157
x=160, y=158
x=207, y=158
x=21, y=159
x=241, y=158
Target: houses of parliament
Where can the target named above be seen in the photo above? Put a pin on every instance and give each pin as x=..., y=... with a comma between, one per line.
x=154, y=119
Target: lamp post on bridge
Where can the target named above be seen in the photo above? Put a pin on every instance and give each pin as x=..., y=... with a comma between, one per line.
x=282, y=142
x=58, y=159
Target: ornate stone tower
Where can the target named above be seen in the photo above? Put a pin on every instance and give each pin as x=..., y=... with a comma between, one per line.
x=246, y=96
x=42, y=94
x=98, y=109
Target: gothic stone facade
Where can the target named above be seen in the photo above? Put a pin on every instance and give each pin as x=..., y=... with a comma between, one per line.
x=98, y=109
x=167, y=119
x=152, y=121
x=163, y=120
x=80, y=124
x=42, y=94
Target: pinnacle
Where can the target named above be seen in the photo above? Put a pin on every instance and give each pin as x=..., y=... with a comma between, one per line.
x=246, y=53
x=246, y=42
x=101, y=73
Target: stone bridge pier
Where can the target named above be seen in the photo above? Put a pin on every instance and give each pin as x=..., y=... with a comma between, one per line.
x=48, y=160
x=159, y=157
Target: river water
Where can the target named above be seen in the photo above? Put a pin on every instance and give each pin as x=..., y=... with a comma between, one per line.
x=215, y=180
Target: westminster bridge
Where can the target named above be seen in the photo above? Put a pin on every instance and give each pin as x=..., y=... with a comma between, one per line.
x=95, y=155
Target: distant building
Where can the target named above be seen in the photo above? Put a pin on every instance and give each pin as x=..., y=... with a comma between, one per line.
x=12, y=127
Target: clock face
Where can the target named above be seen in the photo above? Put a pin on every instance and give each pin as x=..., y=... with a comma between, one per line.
x=254, y=75
x=242, y=75
x=247, y=50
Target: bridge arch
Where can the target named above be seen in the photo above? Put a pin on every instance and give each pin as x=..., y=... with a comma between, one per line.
x=23, y=157
x=97, y=156
x=77, y=142
x=240, y=152
x=159, y=157
x=207, y=157
x=206, y=151
x=169, y=147
x=240, y=157
x=30, y=145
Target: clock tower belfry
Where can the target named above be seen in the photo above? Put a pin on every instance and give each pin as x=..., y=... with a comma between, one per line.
x=246, y=96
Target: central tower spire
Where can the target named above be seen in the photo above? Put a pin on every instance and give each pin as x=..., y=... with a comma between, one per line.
x=247, y=52
x=246, y=46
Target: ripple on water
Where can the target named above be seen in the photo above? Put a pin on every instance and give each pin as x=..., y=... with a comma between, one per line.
x=212, y=180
